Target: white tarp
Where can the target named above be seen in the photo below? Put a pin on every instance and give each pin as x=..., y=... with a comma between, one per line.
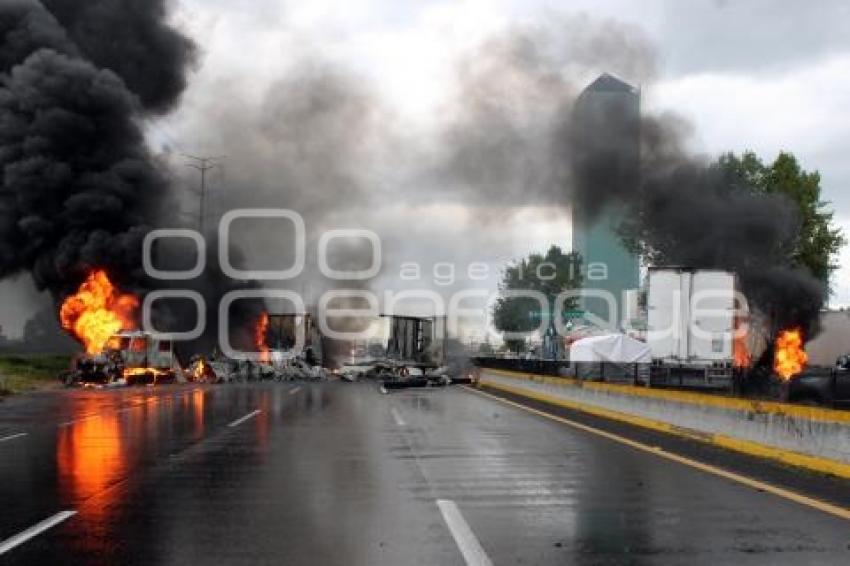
x=617, y=348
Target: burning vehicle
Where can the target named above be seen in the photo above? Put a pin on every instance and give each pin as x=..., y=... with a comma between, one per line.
x=290, y=347
x=810, y=385
x=146, y=359
x=129, y=358
x=820, y=385
x=102, y=319
x=699, y=334
x=287, y=346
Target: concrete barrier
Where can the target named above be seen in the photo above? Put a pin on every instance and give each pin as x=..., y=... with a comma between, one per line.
x=809, y=437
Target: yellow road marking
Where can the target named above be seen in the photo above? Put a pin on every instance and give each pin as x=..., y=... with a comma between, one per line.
x=823, y=506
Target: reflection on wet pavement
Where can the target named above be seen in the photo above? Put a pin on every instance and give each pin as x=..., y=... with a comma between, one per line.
x=329, y=476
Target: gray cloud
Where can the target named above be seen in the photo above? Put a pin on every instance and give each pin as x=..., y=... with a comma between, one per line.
x=751, y=36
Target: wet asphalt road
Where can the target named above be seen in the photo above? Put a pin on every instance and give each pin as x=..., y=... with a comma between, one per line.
x=336, y=473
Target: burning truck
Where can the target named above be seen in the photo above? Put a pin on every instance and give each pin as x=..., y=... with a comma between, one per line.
x=808, y=384
x=703, y=333
x=699, y=334
x=102, y=319
x=288, y=347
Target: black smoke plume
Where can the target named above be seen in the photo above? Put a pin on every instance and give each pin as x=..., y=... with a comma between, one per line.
x=131, y=38
x=678, y=209
x=525, y=130
x=80, y=187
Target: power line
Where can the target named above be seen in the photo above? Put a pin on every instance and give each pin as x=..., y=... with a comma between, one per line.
x=203, y=164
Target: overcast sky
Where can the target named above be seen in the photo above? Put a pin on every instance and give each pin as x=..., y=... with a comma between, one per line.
x=764, y=75
x=749, y=74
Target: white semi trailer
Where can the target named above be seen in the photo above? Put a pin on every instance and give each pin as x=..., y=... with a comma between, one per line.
x=700, y=328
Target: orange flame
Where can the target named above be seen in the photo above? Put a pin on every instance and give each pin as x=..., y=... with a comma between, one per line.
x=260, y=331
x=97, y=311
x=741, y=357
x=789, y=358
x=200, y=370
x=155, y=372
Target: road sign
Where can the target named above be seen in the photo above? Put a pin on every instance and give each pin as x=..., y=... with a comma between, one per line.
x=566, y=315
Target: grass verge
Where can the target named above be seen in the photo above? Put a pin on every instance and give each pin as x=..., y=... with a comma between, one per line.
x=26, y=372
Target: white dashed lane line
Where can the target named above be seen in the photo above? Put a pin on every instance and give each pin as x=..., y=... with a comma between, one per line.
x=398, y=420
x=239, y=421
x=472, y=551
x=34, y=531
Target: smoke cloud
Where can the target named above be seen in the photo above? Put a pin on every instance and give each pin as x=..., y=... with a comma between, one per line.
x=525, y=132
x=80, y=187
x=321, y=140
x=512, y=108
x=682, y=210
x=324, y=143
x=134, y=40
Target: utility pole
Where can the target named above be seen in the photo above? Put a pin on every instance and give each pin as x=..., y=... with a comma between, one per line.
x=203, y=164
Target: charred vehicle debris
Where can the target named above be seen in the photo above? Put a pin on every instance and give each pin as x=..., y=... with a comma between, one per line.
x=289, y=347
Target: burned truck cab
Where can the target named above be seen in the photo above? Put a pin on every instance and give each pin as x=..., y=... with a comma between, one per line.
x=147, y=359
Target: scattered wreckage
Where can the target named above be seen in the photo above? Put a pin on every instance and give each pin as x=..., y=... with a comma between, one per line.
x=290, y=350
x=415, y=357
x=219, y=369
x=390, y=374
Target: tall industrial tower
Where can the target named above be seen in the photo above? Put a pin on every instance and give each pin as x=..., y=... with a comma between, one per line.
x=607, y=130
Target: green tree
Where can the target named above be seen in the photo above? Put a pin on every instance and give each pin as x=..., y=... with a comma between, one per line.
x=550, y=274
x=819, y=241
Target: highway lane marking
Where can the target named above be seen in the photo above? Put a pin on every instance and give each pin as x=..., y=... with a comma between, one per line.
x=398, y=420
x=239, y=421
x=34, y=531
x=472, y=551
x=13, y=436
x=295, y=390
x=823, y=506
